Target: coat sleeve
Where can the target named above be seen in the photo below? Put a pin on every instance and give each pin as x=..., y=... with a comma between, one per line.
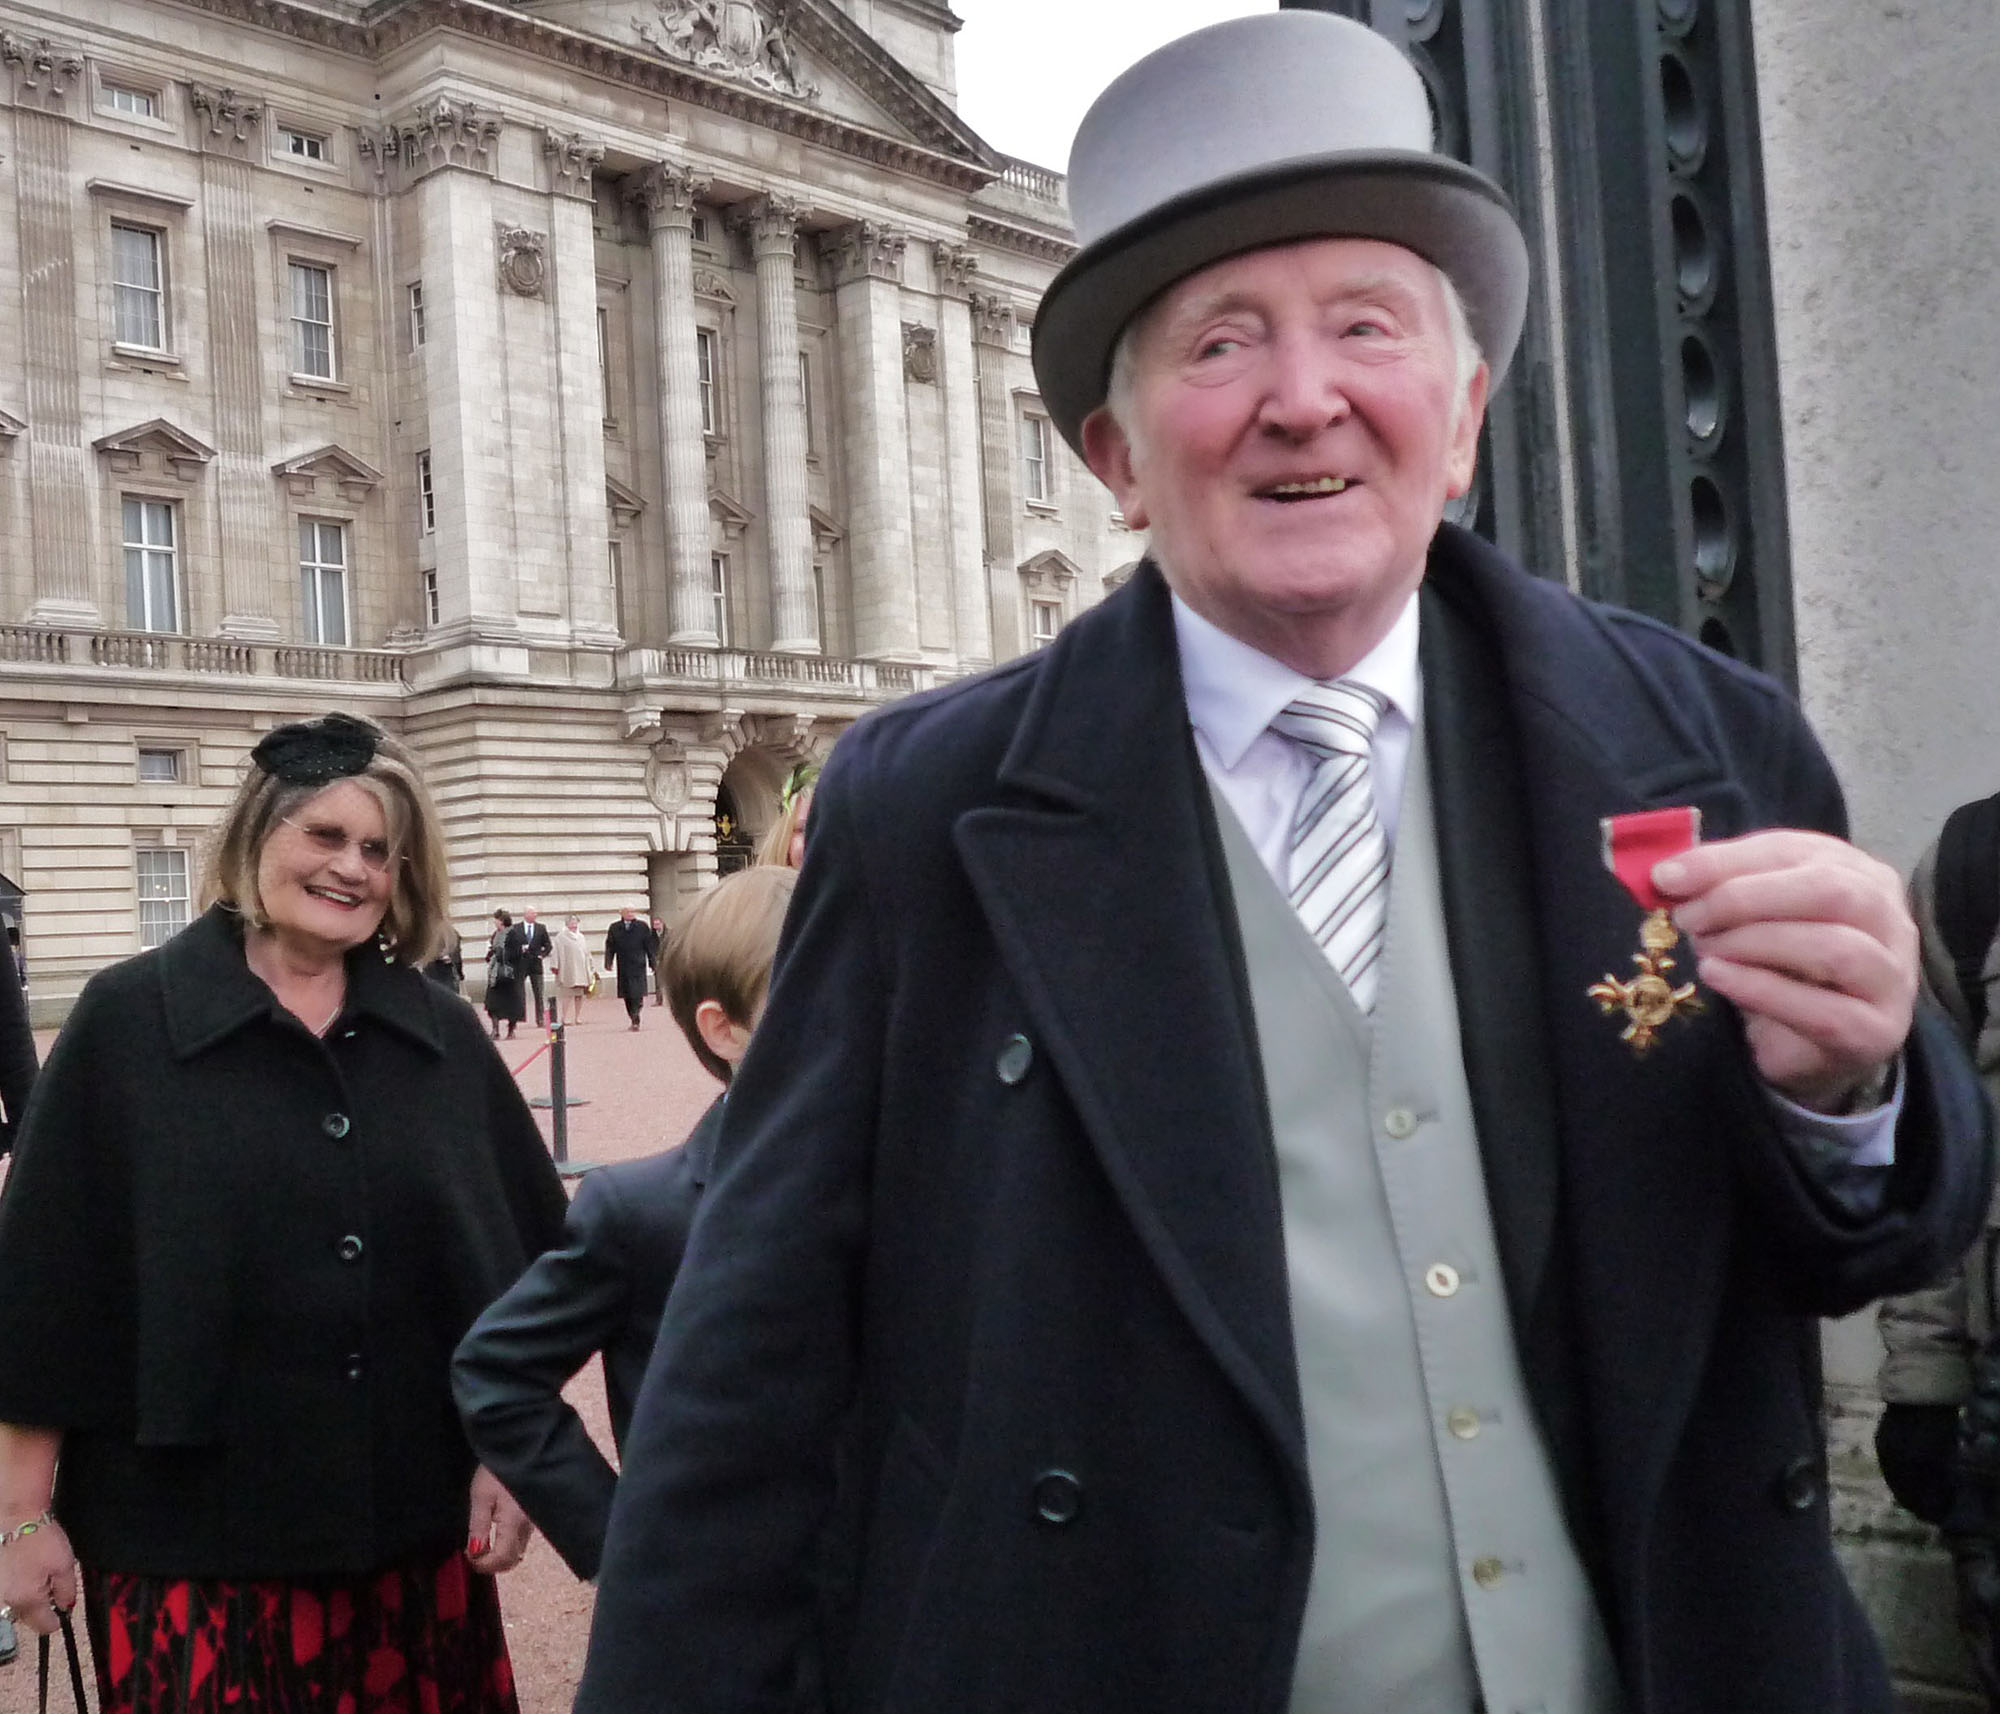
x=706, y=1595
x=17, y=1049
x=509, y=1372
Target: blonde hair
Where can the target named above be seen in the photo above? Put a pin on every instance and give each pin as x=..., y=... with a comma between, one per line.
x=775, y=848
x=721, y=949
x=414, y=926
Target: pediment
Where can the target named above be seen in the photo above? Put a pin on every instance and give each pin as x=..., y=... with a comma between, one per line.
x=1049, y=569
x=730, y=513
x=173, y=450
x=807, y=53
x=327, y=470
x=623, y=503
x=827, y=532
x=11, y=426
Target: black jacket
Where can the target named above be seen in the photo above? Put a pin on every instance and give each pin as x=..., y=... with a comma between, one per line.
x=601, y=1290
x=630, y=948
x=527, y=945
x=235, y=1260
x=987, y=1300
x=17, y=1049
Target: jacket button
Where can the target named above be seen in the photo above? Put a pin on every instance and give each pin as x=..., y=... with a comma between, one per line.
x=334, y=1125
x=1441, y=1280
x=1400, y=1122
x=349, y=1248
x=1799, y=1485
x=356, y=1367
x=1016, y=1055
x=1058, y=1497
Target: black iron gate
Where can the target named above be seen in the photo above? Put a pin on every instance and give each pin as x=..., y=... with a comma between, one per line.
x=1637, y=440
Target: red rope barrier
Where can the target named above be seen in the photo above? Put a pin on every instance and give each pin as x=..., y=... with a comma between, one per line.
x=537, y=1054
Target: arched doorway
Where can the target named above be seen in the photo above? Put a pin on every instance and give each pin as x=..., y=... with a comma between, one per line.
x=746, y=803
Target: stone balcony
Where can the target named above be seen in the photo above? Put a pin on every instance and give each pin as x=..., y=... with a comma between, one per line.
x=82, y=652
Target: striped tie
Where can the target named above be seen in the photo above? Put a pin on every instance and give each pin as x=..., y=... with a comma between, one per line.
x=1339, y=869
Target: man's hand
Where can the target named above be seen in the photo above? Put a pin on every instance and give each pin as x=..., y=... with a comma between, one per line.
x=499, y=1528
x=1813, y=943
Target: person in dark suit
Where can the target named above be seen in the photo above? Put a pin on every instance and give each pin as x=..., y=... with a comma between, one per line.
x=630, y=946
x=17, y=1049
x=1213, y=1217
x=603, y=1289
x=528, y=944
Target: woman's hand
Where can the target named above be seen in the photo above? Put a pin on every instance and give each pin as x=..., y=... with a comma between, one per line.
x=500, y=1529
x=38, y=1576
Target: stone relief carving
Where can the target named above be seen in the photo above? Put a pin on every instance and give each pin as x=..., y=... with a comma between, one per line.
x=955, y=265
x=667, y=193
x=573, y=161
x=920, y=358
x=709, y=284
x=771, y=223
x=440, y=133
x=992, y=319
x=40, y=67
x=668, y=782
x=747, y=41
x=226, y=114
x=524, y=262
x=864, y=249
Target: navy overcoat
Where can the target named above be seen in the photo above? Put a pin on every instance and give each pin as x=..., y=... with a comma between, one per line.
x=978, y=1390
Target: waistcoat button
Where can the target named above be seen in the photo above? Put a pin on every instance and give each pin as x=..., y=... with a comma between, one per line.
x=1016, y=1055
x=1463, y=1423
x=349, y=1248
x=335, y=1125
x=1399, y=1122
x=1058, y=1497
x=1441, y=1280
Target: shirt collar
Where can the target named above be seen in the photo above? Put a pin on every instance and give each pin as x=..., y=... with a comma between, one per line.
x=1234, y=692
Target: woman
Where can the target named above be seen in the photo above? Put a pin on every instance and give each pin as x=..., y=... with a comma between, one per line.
x=505, y=1001
x=784, y=841
x=269, y=1177
x=571, y=953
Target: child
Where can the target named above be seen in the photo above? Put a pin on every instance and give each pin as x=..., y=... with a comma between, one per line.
x=604, y=1289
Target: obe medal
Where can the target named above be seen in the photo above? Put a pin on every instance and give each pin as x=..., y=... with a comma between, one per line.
x=1650, y=1000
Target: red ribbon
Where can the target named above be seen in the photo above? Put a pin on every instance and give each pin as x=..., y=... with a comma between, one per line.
x=1634, y=843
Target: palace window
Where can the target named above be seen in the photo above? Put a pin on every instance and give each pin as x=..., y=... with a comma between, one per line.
x=718, y=575
x=806, y=401
x=431, y=607
x=161, y=879
x=705, y=372
x=151, y=573
x=138, y=288
x=419, y=328
x=1036, y=486
x=312, y=321
x=122, y=98
x=427, y=511
x=323, y=581
x=303, y=145
x=1044, y=621
x=158, y=767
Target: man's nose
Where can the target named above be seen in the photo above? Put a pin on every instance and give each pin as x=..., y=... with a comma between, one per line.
x=1304, y=391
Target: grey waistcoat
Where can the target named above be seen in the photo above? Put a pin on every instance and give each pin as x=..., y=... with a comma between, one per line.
x=1444, y=1578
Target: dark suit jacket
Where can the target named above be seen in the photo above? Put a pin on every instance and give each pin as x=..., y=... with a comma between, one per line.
x=528, y=944
x=17, y=1049
x=601, y=1290
x=980, y=1384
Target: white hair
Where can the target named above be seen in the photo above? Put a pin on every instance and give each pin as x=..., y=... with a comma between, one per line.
x=1466, y=355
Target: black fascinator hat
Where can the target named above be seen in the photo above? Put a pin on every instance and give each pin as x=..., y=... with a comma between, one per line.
x=317, y=752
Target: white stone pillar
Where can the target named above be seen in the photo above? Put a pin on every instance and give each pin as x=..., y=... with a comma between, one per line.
x=771, y=223
x=958, y=374
x=868, y=274
x=668, y=194
x=993, y=342
x=592, y=595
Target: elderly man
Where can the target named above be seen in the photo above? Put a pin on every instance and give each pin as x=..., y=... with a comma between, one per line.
x=1213, y=1218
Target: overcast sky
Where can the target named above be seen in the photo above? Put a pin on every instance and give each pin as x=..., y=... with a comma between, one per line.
x=1028, y=68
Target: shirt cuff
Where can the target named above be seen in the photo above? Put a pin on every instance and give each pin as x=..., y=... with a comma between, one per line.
x=1849, y=1139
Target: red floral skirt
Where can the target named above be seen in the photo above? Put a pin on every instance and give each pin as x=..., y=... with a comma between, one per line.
x=423, y=1638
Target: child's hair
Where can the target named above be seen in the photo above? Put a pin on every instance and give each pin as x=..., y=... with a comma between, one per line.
x=721, y=949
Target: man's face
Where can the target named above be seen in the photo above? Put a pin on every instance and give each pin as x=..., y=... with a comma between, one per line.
x=1292, y=428
x=528, y=917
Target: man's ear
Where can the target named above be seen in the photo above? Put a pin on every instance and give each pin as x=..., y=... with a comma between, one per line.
x=1108, y=451
x=1463, y=457
x=720, y=1033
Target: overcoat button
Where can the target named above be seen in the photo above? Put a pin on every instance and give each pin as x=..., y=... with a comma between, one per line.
x=349, y=1248
x=356, y=1368
x=1799, y=1485
x=1058, y=1497
x=1016, y=1055
x=334, y=1125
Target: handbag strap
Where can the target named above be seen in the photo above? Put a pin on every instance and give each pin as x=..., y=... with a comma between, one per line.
x=75, y=1669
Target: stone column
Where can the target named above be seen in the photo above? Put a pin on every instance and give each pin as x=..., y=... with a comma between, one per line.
x=668, y=194
x=771, y=223
x=868, y=274
x=593, y=597
x=226, y=122
x=958, y=374
x=45, y=77
x=993, y=339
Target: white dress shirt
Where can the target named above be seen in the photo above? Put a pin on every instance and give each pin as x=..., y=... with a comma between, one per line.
x=1234, y=692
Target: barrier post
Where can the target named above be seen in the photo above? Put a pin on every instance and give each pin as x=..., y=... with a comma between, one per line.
x=559, y=1092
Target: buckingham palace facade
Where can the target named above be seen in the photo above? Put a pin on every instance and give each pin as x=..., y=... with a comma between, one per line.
x=614, y=397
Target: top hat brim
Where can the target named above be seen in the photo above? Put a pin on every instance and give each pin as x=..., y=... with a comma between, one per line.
x=1437, y=207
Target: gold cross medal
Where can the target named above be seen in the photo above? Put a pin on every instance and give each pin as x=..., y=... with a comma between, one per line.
x=1632, y=845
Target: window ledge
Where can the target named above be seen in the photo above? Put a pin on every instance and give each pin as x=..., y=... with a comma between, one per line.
x=317, y=384
x=144, y=356
x=1043, y=508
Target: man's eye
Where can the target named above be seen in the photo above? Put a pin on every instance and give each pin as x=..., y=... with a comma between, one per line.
x=1221, y=345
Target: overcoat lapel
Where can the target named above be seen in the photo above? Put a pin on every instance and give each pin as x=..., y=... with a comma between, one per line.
x=1093, y=868
x=1641, y=1189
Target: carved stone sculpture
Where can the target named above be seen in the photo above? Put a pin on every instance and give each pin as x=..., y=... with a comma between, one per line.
x=524, y=264
x=747, y=41
x=920, y=355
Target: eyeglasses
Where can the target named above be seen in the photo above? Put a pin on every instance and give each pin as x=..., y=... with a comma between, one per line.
x=330, y=839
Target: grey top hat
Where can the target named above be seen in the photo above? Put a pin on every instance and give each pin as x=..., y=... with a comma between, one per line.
x=1263, y=130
